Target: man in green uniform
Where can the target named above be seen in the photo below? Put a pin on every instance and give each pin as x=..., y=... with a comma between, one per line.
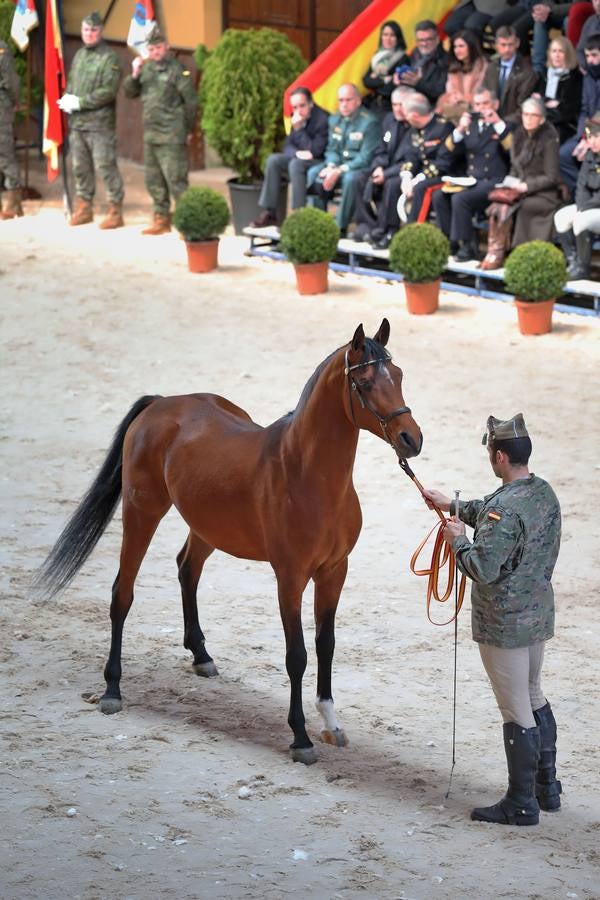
x=510, y=561
x=9, y=167
x=353, y=136
x=90, y=102
x=170, y=108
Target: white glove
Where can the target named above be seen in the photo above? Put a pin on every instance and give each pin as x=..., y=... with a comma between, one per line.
x=69, y=103
x=405, y=182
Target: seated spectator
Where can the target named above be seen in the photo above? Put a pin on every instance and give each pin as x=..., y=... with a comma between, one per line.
x=378, y=190
x=509, y=76
x=390, y=54
x=519, y=17
x=577, y=223
x=421, y=171
x=591, y=26
x=353, y=136
x=304, y=145
x=466, y=68
x=483, y=141
x=562, y=88
x=546, y=15
x=535, y=174
x=473, y=14
x=574, y=149
x=429, y=64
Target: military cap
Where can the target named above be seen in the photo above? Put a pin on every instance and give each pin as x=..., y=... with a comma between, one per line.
x=156, y=36
x=93, y=19
x=505, y=431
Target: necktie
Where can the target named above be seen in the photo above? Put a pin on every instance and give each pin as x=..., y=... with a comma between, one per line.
x=503, y=77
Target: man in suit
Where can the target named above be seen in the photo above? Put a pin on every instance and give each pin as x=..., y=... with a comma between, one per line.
x=353, y=136
x=378, y=190
x=482, y=140
x=304, y=145
x=510, y=75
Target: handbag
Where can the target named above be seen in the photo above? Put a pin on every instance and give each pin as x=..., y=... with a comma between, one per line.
x=506, y=195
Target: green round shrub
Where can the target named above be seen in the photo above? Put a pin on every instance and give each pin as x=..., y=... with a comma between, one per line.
x=241, y=97
x=535, y=271
x=201, y=214
x=419, y=252
x=309, y=235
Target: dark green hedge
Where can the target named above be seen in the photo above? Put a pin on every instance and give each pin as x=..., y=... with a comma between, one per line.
x=535, y=271
x=201, y=213
x=309, y=235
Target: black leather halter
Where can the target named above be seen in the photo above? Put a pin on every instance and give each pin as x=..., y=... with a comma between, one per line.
x=353, y=388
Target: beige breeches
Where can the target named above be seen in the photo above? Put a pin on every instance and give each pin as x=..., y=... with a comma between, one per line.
x=515, y=675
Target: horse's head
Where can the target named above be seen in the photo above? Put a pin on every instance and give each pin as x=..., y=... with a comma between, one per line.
x=374, y=399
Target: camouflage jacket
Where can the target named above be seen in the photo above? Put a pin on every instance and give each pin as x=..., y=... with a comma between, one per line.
x=168, y=98
x=510, y=561
x=9, y=84
x=94, y=78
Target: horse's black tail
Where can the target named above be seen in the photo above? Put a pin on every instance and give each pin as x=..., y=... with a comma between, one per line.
x=87, y=524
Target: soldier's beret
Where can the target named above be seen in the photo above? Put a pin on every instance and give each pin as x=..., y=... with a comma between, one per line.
x=505, y=430
x=156, y=36
x=93, y=19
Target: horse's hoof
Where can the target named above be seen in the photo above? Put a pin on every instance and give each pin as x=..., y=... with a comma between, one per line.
x=206, y=669
x=306, y=755
x=109, y=705
x=337, y=737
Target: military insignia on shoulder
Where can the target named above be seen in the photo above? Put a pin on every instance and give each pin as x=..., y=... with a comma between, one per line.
x=387, y=137
x=494, y=516
x=186, y=72
x=356, y=136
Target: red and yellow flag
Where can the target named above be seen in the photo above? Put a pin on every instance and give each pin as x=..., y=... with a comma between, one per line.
x=347, y=58
x=54, y=88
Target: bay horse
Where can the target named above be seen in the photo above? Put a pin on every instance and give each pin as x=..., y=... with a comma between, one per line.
x=282, y=494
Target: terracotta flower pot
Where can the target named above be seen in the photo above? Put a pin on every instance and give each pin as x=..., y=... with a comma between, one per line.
x=422, y=299
x=202, y=255
x=312, y=278
x=534, y=317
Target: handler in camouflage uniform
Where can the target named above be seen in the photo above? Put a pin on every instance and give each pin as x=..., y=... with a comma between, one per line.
x=90, y=102
x=9, y=167
x=510, y=561
x=170, y=109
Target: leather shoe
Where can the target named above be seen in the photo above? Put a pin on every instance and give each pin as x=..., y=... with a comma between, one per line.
x=384, y=242
x=466, y=252
x=265, y=219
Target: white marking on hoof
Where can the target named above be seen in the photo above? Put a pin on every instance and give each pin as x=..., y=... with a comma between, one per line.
x=109, y=705
x=336, y=738
x=207, y=669
x=306, y=755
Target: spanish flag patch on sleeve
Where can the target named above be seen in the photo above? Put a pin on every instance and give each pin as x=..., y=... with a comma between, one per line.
x=494, y=516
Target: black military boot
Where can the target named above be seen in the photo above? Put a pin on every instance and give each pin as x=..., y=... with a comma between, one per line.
x=583, y=260
x=547, y=787
x=567, y=244
x=519, y=806
x=467, y=250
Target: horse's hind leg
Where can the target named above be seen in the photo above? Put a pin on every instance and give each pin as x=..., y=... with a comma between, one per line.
x=328, y=587
x=190, y=562
x=138, y=529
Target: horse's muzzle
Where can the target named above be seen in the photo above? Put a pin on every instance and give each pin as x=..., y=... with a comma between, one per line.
x=406, y=446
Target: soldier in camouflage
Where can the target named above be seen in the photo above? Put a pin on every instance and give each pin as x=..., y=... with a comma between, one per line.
x=90, y=102
x=170, y=109
x=510, y=562
x=9, y=167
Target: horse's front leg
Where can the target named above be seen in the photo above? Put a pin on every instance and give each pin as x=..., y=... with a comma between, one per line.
x=290, y=602
x=328, y=587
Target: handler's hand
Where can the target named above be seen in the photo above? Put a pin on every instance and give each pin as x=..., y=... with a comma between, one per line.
x=436, y=498
x=453, y=529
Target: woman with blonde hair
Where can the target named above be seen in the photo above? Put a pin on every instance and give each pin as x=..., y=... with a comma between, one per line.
x=562, y=87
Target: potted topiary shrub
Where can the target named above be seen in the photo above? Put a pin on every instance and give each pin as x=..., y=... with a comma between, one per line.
x=420, y=253
x=241, y=98
x=309, y=239
x=536, y=274
x=201, y=215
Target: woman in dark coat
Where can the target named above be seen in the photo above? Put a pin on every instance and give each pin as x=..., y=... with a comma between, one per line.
x=378, y=78
x=562, y=88
x=534, y=173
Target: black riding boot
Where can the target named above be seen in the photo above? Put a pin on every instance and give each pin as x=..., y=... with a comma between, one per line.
x=547, y=788
x=582, y=264
x=519, y=806
x=567, y=243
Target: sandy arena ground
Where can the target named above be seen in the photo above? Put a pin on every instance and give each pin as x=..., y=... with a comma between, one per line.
x=189, y=792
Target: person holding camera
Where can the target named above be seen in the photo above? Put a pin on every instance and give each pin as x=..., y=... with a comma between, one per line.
x=390, y=57
x=428, y=71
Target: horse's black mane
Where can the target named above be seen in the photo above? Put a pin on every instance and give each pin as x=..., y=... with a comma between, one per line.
x=373, y=351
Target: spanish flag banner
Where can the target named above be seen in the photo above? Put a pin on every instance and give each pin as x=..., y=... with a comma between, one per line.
x=347, y=58
x=54, y=88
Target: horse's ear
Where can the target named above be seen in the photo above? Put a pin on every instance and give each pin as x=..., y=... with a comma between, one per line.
x=383, y=335
x=359, y=338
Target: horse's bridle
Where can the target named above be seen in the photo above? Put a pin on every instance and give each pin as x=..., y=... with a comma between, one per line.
x=353, y=387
